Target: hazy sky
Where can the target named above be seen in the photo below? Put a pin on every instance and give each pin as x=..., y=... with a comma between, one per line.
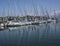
x=19, y=6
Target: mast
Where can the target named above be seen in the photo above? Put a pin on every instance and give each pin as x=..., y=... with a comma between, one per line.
x=47, y=15
x=25, y=13
x=8, y=9
x=35, y=9
x=42, y=11
x=15, y=8
x=55, y=15
x=3, y=11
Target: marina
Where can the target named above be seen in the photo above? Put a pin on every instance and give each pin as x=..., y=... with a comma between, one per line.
x=26, y=20
x=22, y=17
x=29, y=23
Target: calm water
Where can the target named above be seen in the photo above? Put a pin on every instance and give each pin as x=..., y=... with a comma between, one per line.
x=32, y=35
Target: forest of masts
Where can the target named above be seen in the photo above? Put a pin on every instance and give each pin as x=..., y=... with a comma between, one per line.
x=21, y=14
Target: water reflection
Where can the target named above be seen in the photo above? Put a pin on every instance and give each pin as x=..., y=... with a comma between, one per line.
x=31, y=35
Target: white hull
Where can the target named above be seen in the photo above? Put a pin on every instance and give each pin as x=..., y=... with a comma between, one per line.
x=13, y=24
x=24, y=23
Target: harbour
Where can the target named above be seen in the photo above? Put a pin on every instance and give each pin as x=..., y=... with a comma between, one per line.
x=29, y=23
x=22, y=17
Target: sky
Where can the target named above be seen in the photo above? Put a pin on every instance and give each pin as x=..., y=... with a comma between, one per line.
x=22, y=7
